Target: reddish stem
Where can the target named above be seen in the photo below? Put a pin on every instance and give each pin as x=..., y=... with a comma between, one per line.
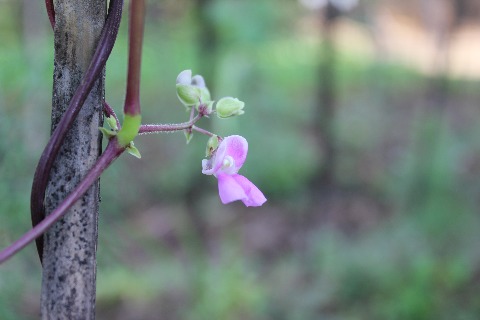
x=50, y=12
x=108, y=111
x=157, y=128
x=135, y=36
x=112, y=151
x=203, y=131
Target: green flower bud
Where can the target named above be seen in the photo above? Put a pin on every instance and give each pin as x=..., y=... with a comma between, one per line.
x=197, y=80
x=188, y=95
x=212, y=145
x=229, y=107
x=191, y=91
x=185, y=77
x=204, y=94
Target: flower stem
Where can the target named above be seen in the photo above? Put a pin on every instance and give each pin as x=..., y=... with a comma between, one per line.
x=158, y=128
x=203, y=131
x=112, y=151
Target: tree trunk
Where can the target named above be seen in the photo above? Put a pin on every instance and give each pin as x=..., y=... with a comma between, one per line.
x=325, y=116
x=69, y=259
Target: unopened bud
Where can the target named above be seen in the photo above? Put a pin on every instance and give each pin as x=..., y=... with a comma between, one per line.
x=191, y=90
x=229, y=107
x=197, y=80
x=188, y=94
x=185, y=77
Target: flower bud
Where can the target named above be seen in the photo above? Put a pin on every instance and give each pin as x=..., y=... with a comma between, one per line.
x=212, y=145
x=185, y=77
x=204, y=94
x=188, y=94
x=197, y=80
x=229, y=107
x=191, y=90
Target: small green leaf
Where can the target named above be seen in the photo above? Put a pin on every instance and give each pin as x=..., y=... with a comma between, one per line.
x=133, y=150
x=112, y=122
x=107, y=132
x=188, y=135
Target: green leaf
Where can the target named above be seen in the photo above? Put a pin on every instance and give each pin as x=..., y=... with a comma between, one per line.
x=133, y=150
x=112, y=122
x=188, y=135
x=107, y=132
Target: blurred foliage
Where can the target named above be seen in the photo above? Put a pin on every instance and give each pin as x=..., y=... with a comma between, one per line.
x=396, y=237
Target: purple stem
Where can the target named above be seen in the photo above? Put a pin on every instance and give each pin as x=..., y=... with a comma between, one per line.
x=112, y=151
x=50, y=12
x=42, y=172
x=157, y=128
x=135, y=36
x=51, y=16
x=203, y=131
x=110, y=112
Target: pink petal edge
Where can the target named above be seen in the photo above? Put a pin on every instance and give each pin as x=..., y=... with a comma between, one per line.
x=237, y=187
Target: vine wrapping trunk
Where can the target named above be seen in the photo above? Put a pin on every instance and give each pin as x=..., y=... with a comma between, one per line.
x=69, y=258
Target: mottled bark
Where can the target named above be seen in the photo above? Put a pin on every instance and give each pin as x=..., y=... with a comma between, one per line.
x=69, y=259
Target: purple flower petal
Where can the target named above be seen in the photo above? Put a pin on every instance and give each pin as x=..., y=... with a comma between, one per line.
x=224, y=164
x=229, y=189
x=233, y=146
x=255, y=197
x=237, y=148
x=237, y=187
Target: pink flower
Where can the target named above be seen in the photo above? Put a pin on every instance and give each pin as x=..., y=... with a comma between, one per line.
x=224, y=165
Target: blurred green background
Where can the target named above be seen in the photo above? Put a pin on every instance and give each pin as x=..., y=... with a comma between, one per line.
x=363, y=128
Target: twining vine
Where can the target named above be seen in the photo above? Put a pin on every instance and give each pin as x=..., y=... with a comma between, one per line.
x=224, y=155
